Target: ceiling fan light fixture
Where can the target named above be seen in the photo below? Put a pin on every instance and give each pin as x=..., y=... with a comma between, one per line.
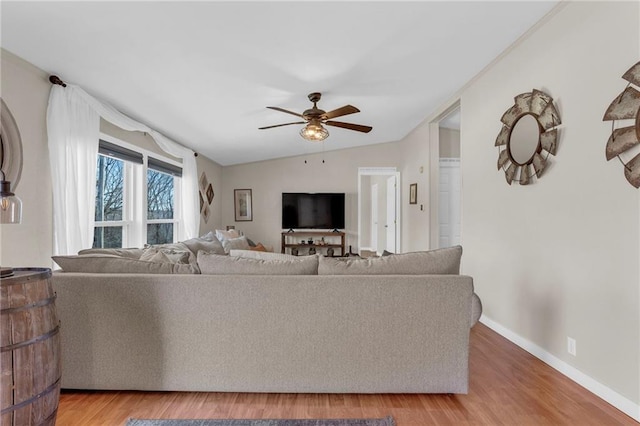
x=314, y=132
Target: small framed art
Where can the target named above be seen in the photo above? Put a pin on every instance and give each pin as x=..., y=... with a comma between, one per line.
x=243, y=205
x=413, y=193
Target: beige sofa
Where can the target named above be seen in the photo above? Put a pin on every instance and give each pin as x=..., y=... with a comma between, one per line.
x=266, y=333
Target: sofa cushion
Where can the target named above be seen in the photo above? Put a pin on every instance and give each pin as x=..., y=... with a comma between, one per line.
x=444, y=261
x=132, y=253
x=109, y=264
x=265, y=255
x=215, y=264
x=240, y=243
x=476, y=309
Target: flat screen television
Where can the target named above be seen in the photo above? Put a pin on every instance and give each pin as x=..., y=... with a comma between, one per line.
x=312, y=210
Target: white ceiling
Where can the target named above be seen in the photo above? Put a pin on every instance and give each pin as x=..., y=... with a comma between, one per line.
x=202, y=73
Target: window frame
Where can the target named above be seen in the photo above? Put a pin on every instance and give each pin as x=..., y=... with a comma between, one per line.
x=134, y=210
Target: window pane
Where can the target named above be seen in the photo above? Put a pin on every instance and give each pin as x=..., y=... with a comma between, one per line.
x=107, y=237
x=159, y=195
x=159, y=233
x=109, y=188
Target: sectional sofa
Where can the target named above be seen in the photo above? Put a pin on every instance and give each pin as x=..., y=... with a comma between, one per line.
x=399, y=324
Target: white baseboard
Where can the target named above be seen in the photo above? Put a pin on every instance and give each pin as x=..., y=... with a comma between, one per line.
x=623, y=404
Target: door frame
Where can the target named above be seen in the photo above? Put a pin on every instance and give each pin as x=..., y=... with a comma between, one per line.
x=380, y=171
x=434, y=173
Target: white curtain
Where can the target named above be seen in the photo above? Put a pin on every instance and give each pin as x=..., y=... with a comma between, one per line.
x=73, y=126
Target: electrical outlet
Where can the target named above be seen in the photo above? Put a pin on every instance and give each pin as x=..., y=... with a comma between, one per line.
x=571, y=346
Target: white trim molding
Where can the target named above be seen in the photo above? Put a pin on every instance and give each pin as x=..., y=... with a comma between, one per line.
x=623, y=404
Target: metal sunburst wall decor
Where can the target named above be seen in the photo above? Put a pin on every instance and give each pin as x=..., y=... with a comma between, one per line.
x=626, y=106
x=528, y=136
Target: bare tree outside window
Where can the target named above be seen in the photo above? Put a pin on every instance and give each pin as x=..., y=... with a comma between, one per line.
x=110, y=215
x=109, y=201
x=160, y=198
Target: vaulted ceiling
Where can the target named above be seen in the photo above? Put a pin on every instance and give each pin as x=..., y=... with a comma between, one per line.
x=202, y=72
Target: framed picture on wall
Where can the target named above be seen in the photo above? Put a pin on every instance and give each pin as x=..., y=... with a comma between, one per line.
x=413, y=193
x=242, y=205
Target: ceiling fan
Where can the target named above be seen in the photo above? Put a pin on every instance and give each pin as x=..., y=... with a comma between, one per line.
x=314, y=118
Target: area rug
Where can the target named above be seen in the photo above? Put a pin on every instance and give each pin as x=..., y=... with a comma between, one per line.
x=387, y=421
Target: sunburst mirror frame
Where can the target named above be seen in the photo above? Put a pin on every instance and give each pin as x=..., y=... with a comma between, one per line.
x=538, y=105
x=10, y=146
x=626, y=106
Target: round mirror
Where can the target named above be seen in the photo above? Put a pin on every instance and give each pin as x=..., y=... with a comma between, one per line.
x=524, y=139
x=10, y=147
x=529, y=131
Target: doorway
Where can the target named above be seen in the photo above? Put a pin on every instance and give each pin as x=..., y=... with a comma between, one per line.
x=446, y=180
x=378, y=210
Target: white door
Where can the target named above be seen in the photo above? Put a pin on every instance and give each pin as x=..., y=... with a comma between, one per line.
x=391, y=214
x=374, y=217
x=449, y=198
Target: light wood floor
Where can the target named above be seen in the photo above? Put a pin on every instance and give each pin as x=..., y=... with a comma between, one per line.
x=508, y=386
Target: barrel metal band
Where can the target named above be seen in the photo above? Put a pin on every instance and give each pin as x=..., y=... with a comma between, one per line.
x=38, y=304
x=28, y=401
x=32, y=341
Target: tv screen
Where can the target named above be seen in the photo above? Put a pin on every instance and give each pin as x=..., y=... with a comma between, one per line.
x=312, y=211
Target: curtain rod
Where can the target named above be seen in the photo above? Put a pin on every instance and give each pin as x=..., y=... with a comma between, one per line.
x=54, y=79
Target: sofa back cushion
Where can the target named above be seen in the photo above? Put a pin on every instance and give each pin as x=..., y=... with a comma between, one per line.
x=109, y=264
x=264, y=255
x=444, y=261
x=132, y=253
x=215, y=264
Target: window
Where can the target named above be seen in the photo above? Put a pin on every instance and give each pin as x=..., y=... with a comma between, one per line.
x=123, y=195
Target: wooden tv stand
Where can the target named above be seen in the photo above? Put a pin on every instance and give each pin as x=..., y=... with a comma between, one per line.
x=292, y=240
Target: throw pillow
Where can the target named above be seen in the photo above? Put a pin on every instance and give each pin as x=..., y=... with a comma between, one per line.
x=173, y=248
x=226, y=235
x=209, y=236
x=444, y=261
x=240, y=243
x=214, y=264
x=208, y=243
x=152, y=254
x=258, y=247
x=109, y=264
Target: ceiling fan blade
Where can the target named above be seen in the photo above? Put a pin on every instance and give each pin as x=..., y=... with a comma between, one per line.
x=350, y=126
x=287, y=111
x=280, y=125
x=345, y=110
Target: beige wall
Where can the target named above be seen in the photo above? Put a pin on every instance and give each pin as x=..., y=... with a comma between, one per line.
x=25, y=89
x=269, y=179
x=213, y=172
x=560, y=258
